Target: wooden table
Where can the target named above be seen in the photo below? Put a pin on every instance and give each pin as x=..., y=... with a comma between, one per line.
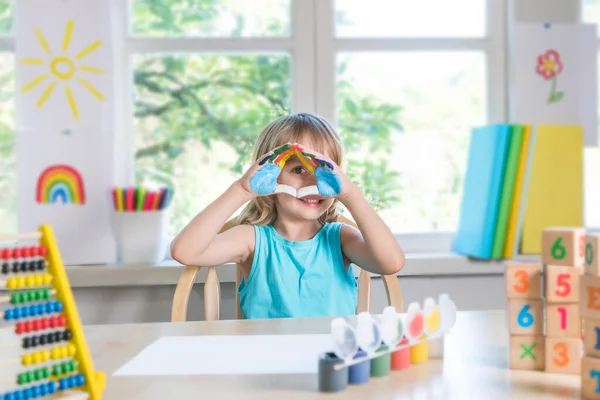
x=474, y=366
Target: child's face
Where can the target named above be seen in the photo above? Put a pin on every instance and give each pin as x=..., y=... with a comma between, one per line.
x=295, y=174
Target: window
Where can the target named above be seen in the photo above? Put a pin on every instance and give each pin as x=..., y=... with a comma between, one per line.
x=404, y=82
x=8, y=172
x=411, y=79
x=202, y=95
x=403, y=87
x=591, y=14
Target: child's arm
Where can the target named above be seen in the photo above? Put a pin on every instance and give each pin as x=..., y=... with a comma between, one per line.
x=373, y=247
x=200, y=243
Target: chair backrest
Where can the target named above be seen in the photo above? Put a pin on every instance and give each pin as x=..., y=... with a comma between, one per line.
x=212, y=289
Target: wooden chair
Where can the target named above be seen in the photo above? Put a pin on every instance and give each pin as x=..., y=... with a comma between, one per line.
x=212, y=289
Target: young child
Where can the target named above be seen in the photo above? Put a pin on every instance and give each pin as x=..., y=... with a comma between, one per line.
x=295, y=257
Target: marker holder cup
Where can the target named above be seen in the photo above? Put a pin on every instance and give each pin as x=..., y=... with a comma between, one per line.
x=141, y=236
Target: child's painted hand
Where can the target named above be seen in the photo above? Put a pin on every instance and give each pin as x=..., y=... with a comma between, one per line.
x=331, y=180
x=261, y=179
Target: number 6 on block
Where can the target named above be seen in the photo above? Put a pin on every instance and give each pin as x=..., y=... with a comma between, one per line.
x=525, y=317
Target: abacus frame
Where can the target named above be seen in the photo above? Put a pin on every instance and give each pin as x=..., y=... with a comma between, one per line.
x=94, y=380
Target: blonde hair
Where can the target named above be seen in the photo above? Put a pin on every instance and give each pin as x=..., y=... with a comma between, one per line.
x=289, y=129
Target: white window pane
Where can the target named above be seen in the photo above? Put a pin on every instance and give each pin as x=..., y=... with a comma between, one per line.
x=591, y=11
x=215, y=18
x=197, y=118
x=425, y=18
x=8, y=172
x=410, y=114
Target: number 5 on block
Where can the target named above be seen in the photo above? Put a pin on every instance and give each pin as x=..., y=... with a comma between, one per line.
x=523, y=280
x=562, y=284
x=525, y=317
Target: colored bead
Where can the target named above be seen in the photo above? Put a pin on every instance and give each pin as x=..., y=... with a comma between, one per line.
x=5, y=268
x=47, y=279
x=27, y=394
x=37, y=374
x=55, y=353
x=67, y=335
x=44, y=323
x=36, y=357
x=15, y=267
x=26, y=359
x=11, y=283
x=80, y=379
x=34, y=251
x=62, y=320
x=16, y=253
x=43, y=251
x=51, y=387
x=32, y=266
x=30, y=325
x=41, y=264
x=5, y=254
x=23, y=266
x=20, y=281
x=36, y=391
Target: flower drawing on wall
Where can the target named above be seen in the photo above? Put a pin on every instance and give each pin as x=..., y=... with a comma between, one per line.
x=549, y=67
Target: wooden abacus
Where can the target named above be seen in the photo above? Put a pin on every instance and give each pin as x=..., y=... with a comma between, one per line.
x=45, y=354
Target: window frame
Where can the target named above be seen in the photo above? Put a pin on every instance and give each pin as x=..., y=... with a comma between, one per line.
x=313, y=48
x=493, y=44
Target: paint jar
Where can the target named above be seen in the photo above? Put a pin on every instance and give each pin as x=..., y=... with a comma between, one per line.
x=380, y=366
x=401, y=358
x=330, y=379
x=361, y=372
x=141, y=236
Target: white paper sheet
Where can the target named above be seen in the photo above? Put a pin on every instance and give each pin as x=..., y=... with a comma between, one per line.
x=83, y=231
x=222, y=355
x=576, y=46
x=79, y=51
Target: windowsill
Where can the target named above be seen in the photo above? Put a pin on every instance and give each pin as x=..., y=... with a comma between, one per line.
x=168, y=272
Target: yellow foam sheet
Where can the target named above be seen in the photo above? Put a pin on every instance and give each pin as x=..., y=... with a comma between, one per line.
x=515, y=208
x=555, y=193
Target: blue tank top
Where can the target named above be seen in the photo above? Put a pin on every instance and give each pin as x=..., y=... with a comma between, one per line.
x=298, y=279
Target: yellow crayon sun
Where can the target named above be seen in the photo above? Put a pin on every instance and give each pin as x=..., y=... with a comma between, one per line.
x=64, y=68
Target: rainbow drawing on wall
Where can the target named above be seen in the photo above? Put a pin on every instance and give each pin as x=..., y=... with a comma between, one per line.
x=60, y=183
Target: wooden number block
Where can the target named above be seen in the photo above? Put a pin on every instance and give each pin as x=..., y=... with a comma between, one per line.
x=562, y=284
x=527, y=352
x=526, y=317
x=523, y=281
x=591, y=337
x=589, y=295
x=590, y=377
x=563, y=355
x=563, y=246
x=592, y=259
x=563, y=320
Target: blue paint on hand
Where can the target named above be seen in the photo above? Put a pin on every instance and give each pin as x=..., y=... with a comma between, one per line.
x=328, y=182
x=264, y=180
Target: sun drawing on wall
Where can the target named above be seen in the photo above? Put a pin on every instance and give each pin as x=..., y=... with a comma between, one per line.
x=60, y=183
x=61, y=67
